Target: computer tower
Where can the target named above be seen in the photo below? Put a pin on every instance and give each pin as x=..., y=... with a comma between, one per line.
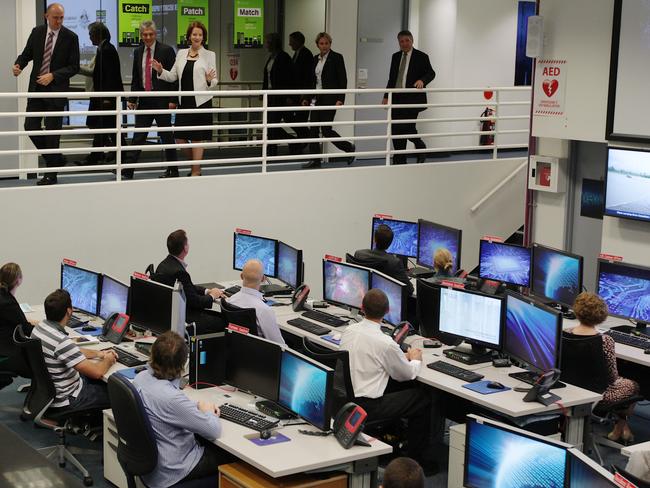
x=207, y=360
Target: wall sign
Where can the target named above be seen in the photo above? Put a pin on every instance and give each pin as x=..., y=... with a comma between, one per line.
x=191, y=11
x=550, y=87
x=249, y=23
x=130, y=14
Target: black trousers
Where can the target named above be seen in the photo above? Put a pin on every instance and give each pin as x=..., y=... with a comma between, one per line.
x=325, y=130
x=398, y=128
x=298, y=117
x=276, y=118
x=209, y=463
x=162, y=120
x=51, y=123
x=103, y=140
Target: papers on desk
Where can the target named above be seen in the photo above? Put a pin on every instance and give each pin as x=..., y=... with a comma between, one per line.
x=26, y=308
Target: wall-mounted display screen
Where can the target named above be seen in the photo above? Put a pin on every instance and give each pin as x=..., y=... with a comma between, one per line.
x=627, y=192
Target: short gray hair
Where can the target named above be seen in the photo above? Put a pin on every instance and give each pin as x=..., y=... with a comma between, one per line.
x=147, y=24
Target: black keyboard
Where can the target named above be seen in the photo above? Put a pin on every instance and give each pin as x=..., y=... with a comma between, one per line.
x=128, y=359
x=326, y=318
x=531, y=378
x=629, y=339
x=308, y=326
x=246, y=418
x=232, y=290
x=455, y=371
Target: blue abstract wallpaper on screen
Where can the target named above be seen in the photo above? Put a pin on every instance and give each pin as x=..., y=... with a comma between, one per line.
x=114, y=298
x=626, y=290
x=502, y=262
x=582, y=476
x=556, y=276
x=251, y=247
x=502, y=459
x=433, y=237
x=303, y=388
x=345, y=284
x=288, y=265
x=394, y=293
x=82, y=286
x=405, y=236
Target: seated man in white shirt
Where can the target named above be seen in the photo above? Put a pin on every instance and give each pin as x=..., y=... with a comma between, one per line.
x=250, y=296
x=375, y=358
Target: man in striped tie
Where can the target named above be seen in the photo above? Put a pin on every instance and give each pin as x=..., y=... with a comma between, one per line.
x=54, y=51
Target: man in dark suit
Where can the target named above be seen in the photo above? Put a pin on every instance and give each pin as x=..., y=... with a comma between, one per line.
x=409, y=68
x=302, y=72
x=144, y=79
x=277, y=76
x=198, y=299
x=54, y=51
x=391, y=264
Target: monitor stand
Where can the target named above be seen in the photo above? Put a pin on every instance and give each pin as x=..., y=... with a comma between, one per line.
x=419, y=272
x=268, y=407
x=469, y=355
x=567, y=313
x=272, y=289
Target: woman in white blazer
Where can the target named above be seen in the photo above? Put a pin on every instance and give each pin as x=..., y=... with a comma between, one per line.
x=196, y=69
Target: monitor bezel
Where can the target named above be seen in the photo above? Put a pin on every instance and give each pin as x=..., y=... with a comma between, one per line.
x=530, y=260
x=234, y=251
x=459, y=237
x=130, y=301
x=468, y=340
x=580, y=259
x=591, y=465
x=128, y=293
x=605, y=209
x=404, y=291
x=99, y=287
x=299, y=265
x=622, y=264
x=327, y=417
x=558, y=330
x=334, y=302
x=386, y=219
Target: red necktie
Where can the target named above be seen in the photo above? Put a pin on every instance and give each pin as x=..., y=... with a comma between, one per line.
x=147, y=73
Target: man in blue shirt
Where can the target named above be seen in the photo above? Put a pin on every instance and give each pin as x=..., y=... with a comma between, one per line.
x=175, y=418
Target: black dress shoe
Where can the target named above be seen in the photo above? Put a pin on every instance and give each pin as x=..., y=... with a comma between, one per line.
x=315, y=163
x=47, y=180
x=169, y=174
x=127, y=175
x=421, y=158
x=397, y=160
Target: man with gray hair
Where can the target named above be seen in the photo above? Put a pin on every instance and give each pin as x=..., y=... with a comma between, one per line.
x=144, y=79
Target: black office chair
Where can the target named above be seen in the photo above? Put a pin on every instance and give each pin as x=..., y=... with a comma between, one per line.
x=137, y=451
x=150, y=269
x=425, y=312
x=246, y=317
x=376, y=264
x=638, y=482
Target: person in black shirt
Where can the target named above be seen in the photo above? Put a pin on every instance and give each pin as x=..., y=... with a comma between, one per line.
x=277, y=76
x=301, y=76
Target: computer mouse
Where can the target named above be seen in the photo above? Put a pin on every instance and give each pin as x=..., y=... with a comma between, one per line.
x=336, y=336
x=88, y=328
x=266, y=434
x=495, y=385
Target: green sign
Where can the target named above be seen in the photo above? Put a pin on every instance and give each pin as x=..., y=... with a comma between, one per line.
x=191, y=11
x=249, y=23
x=130, y=14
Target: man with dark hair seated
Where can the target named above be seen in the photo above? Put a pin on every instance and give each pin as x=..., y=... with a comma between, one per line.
x=173, y=268
x=382, y=376
x=176, y=419
x=392, y=265
x=76, y=372
x=403, y=472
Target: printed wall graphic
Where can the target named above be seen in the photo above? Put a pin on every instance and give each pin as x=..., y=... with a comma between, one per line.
x=249, y=23
x=130, y=14
x=550, y=87
x=191, y=11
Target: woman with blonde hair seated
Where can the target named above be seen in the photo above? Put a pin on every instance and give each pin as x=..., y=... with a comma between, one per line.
x=443, y=263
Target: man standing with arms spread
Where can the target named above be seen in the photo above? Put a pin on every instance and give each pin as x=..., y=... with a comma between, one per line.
x=409, y=68
x=54, y=50
x=144, y=79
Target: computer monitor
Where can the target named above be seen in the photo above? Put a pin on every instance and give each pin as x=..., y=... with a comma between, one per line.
x=289, y=265
x=497, y=456
x=150, y=305
x=508, y=263
x=532, y=333
x=627, y=183
x=114, y=297
x=626, y=290
x=471, y=316
x=426, y=297
x=556, y=275
x=305, y=388
x=345, y=284
x=207, y=360
x=253, y=364
x=432, y=236
x=396, y=292
x=405, y=236
x=584, y=472
x=248, y=247
x=83, y=286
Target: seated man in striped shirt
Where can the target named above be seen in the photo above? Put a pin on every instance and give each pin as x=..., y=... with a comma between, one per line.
x=76, y=372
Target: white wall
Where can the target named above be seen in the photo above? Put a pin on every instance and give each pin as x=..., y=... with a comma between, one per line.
x=306, y=16
x=120, y=228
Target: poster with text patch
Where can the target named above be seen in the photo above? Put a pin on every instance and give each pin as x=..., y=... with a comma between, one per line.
x=550, y=87
x=131, y=13
x=249, y=23
x=191, y=11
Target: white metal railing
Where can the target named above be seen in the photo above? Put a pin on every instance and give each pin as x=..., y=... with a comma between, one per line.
x=458, y=118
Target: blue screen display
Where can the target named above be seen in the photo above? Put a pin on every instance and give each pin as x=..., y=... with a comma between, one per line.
x=626, y=290
x=249, y=247
x=303, y=389
x=531, y=333
x=504, y=262
x=288, y=265
x=345, y=284
x=628, y=184
x=114, y=297
x=556, y=276
x=501, y=459
x=405, y=236
x=82, y=286
x=394, y=292
x=583, y=476
x=434, y=236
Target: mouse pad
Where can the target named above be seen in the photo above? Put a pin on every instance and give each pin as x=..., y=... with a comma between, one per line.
x=274, y=439
x=330, y=338
x=482, y=388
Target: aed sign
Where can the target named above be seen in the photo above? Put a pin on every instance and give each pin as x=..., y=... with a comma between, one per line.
x=550, y=87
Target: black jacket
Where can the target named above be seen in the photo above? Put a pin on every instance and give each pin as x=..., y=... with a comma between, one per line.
x=280, y=77
x=166, y=56
x=302, y=70
x=10, y=316
x=392, y=265
x=169, y=270
x=333, y=77
x=107, y=76
x=419, y=69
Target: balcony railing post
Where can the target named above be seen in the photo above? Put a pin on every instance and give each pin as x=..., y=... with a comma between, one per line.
x=495, y=149
x=389, y=127
x=265, y=129
x=118, y=137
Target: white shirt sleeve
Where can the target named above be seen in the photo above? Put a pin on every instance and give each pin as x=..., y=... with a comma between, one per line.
x=397, y=366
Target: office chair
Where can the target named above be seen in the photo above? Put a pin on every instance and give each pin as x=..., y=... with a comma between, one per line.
x=376, y=264
x=584, y=365
x=6, y=377
x=150, y=269
x=137, y=451
x=638, y=482
x=246, y=317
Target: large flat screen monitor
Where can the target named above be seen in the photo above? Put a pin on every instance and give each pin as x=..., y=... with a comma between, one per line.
x=556, y=275
x=405, y=236
x=150, y=305
x=253, y=364
x=289, y=265
x=397, y=296
x=432, y=236
x=532, y=333
x=246, y=247
x=498, y=456
x=508, y=263
x=471, y=316
x=627, y=188
x=345, y=284
x=584, y=472
x=626, y=290
x=305, y=388
x=83, y=286
x=114, y=297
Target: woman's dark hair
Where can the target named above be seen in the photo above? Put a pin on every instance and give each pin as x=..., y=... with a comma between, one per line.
x=168, y=356
x=10, y=273
x=99, y=31
x=192, y=26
